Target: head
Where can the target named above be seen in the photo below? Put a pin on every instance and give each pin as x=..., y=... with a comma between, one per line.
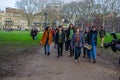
x=48, y=28
x=71, y=26
x=59, y=28
x=77, y=29
x=87, y=30
x=93, y=28
x=101, y=27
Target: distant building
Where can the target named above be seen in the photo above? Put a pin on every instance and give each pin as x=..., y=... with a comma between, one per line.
x=12, y=19
x=13, y=10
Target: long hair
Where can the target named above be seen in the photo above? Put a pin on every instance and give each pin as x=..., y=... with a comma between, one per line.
x=72, y=25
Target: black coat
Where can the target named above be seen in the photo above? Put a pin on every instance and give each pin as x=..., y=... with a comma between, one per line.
x=57, y=37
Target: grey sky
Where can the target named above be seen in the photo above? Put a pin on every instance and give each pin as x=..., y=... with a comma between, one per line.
x=11, y=3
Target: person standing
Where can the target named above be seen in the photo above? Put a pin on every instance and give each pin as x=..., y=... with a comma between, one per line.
x=77, y=43
x=92, y=40
x=47, y=40
x=59, y=40
x=102, y=33
x=85, y=50
x=70, y=33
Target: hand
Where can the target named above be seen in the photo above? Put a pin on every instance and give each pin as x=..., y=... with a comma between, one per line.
x=40, y=43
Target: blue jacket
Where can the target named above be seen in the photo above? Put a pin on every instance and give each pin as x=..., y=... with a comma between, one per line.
x=90, y=35
x=80, y=40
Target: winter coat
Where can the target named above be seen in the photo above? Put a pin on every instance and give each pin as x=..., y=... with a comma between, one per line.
x=81, y=42
x=57, y=37
x=90, y=34
x=45, y=36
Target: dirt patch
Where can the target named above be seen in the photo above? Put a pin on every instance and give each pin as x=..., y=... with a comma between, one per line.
x=32, y=64
x=11, y=58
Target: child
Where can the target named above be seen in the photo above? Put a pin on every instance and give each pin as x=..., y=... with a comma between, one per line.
x=59, y=40
x=76, y=43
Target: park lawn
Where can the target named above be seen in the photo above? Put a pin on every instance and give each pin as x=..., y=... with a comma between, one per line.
x=16, y=43
x=22, y=38
x=17, y=38
x=108, y=38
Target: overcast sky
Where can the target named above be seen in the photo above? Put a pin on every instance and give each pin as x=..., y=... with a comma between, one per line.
x=11, y=3
x=7, y=3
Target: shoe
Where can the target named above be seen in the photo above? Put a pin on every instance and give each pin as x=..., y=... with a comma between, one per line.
x=94, y=61
x=89, y=60
x=70, y=55
x=61, y=55
x=76, y=61
x=48, y=54
x=58, y=57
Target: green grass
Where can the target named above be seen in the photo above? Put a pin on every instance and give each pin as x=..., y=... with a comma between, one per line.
x=22, y=38
x=108, y=38
x=17, y=38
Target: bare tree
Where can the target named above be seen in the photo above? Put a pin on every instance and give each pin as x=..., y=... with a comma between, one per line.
x=29, y=7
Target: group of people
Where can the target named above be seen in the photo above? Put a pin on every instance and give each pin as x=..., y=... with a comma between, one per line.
x=75, y=39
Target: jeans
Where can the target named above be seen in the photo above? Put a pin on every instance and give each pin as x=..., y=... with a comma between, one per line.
x=71, y=50
x=60, y=49
x=77, y=52
x=47, y=49
x=92, y=53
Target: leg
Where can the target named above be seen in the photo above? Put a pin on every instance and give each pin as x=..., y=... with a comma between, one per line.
x=94, y=53
x=79, y=51
x=58, y=48
x=61, y=49
x=84, y=52
x=76, y=53
x=45, y=49
x=48, y=47
x=102, y=42
x=66, y=46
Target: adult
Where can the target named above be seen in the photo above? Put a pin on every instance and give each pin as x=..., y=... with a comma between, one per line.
x=85, y=50
x=70, y=33
x=47, y=40
x=92, y=40
x=102, y=33
x=59, y=40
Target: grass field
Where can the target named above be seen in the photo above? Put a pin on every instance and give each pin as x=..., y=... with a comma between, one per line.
x=22, y=38
x=108, y=38
x=17, y=38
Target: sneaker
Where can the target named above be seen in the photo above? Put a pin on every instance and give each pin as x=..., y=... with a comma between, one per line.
x=76, y=61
